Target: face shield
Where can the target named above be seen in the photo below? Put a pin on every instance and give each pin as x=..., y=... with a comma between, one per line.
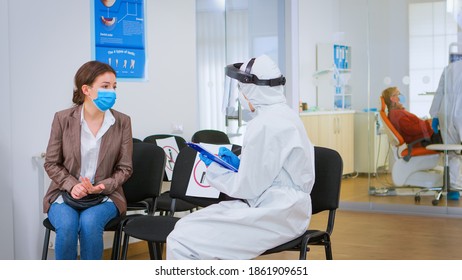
x=238, y=79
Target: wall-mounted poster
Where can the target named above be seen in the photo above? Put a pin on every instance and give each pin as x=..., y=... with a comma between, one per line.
x=119, y=36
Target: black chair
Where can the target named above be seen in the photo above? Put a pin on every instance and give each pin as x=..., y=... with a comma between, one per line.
x=210, y=136
x=136, y=140
x=325, y=196
x=141, y=191
x=165, y=203
x=155, y=229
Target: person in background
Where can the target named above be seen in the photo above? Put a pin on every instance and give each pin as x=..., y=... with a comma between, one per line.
x=272, y=186
x=89, y=152
x=446, y=111
x=413, y=129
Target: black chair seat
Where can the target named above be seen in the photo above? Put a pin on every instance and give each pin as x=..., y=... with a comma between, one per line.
x=164, y=202
x=151, y=228
x=316, y=237
x=47, y=224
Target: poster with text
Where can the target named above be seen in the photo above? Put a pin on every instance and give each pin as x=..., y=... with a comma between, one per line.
x=119, y=36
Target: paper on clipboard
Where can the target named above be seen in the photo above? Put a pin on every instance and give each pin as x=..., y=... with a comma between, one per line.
x=198, y=185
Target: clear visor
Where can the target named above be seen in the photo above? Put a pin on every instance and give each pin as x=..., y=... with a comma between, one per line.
x=231, y=98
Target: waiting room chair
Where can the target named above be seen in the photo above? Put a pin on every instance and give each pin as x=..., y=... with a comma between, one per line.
x=325, y=196
x=141, y=191
x=413, y=164
x=165, y=203
x=210, y=136
x=155, y=229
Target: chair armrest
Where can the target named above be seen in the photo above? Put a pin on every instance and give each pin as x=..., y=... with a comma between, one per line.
x=410, y=145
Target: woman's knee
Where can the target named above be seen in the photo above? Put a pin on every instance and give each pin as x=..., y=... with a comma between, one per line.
x=96, y=217
x=63, y=218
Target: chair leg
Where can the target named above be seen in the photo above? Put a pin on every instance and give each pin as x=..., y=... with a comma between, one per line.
x=152, y=251
x=46, y=242
x=125, y=246
x=116, y=245
x=159, y=250
x=328, y=248
x=303, y=252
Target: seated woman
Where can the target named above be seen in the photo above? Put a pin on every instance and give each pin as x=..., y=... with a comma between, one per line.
x=411, y=127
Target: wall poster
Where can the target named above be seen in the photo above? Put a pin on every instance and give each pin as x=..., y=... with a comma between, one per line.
x=119, y=36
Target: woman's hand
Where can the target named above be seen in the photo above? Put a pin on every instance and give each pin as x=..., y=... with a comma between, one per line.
x=90, y=189
x=79, y=191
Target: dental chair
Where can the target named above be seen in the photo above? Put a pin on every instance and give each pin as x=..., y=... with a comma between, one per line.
x=412, y=166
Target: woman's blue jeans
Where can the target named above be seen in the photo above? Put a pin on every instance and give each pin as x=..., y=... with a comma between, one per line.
x=87, y=226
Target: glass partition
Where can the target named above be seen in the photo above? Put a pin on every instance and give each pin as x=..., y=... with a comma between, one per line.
x=408, y=45
x=345, y=55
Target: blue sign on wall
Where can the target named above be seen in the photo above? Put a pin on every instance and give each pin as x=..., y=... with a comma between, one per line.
x=119, y=36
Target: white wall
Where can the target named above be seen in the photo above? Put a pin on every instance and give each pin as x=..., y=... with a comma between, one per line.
x=6, y=187
x=318, y=21
x=48, y=40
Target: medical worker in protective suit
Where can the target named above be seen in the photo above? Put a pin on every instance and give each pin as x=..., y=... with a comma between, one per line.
x=272, y=187
x=446, y=111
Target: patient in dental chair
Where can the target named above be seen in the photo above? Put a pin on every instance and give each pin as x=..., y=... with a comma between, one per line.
x=412, y=128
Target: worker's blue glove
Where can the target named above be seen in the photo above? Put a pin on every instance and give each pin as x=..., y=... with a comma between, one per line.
x=205, y=159
x=435, y=125
x=229, y=157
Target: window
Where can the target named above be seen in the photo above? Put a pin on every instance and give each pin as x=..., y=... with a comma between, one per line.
x=230, y=31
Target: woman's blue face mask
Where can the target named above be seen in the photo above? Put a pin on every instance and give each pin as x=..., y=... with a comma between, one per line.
x=105, y=100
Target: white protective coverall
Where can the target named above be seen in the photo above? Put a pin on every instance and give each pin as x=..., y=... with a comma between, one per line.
x=447, y=107
x=275, y=177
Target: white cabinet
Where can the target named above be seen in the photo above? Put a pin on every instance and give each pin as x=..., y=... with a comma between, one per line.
x=335, y=130
x=371, y=145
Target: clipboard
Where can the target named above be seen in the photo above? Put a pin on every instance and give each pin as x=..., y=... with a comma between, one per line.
x=211, y=156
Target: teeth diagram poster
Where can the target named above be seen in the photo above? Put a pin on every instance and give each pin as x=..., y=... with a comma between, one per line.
x=119, y=36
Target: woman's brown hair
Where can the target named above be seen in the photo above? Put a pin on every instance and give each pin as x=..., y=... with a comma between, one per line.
x=86, y=75
x=387, y=93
